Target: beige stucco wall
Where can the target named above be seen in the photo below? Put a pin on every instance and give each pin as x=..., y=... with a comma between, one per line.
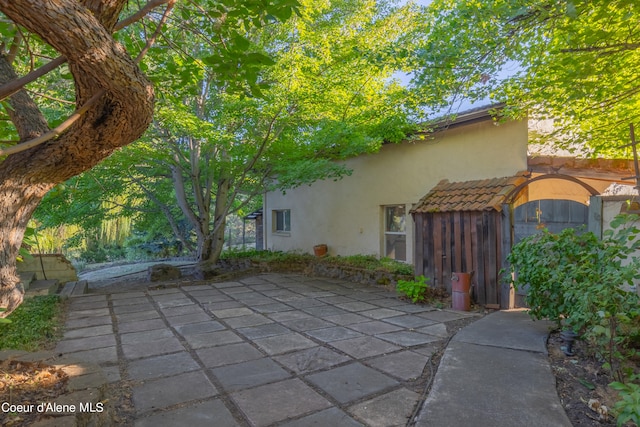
x=564, y=189
x=610, y=209
x=347, y=215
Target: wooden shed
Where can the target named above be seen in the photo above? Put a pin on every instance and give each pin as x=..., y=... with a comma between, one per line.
x=459, y=228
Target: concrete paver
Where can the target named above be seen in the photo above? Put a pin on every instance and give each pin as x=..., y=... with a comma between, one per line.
x=351, y=382
x=267, y=404
x=161, y=366
x=168, y=391
x=328, y=417
x=364, y=347
x=290, y=350
x=249, y=374
x=390, y=409
x=199, y=415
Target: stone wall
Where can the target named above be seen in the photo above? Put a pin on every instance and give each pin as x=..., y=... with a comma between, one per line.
x=55, y=266
x=317, y=268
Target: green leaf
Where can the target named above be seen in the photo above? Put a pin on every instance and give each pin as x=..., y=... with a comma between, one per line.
x=587, y=384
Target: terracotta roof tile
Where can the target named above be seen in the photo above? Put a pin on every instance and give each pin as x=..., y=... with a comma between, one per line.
x=480, y=195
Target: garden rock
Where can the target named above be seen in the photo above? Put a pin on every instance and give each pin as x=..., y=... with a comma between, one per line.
x=206, y=271
x=162, y=272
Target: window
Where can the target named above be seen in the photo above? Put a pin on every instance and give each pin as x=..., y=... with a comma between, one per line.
x=395, y=235
x=282, y=221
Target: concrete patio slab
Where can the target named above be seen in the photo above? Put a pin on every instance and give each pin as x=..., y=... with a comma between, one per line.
x=475, y=367
x=249, y=374
x=228, y=354
x=199, y=328
x=291, y=350
x=408, y=338
x=164, y=392
x=405, y=365
x=328, y=417
x=271, y=403
x=518, y=332
x=151, y=348
x=204, y=414
x=364, y=347
x=312, y=359
x=351, y=382
x=279, y=344
x=212, y=339
x=390, y=409
x=335, y=333
x=161, y=366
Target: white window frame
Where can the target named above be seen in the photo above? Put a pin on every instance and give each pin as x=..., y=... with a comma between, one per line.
x=386, y=232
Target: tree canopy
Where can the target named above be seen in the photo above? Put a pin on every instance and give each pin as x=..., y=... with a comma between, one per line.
x=571, y=61
x=109, y=98
x=323, y=92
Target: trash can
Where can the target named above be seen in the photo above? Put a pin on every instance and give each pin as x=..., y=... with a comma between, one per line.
x=461, y=291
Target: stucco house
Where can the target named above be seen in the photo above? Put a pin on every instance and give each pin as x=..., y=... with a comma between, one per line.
x=368, y=211
x=452, y=200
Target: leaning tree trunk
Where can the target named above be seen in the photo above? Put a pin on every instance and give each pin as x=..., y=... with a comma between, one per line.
x=81, y=31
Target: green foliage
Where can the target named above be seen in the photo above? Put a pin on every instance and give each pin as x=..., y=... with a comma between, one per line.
x=414, y=289
x=3, y=321
x=301, y=95
x=570, y=61
x=371, y=262
x=542, y=264
x=368, y=262
x=627, y=408
x=28, y=241
x=583, y=281
x=33, y=325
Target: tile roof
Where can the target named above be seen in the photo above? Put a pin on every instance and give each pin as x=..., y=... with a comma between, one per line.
x=481, y=195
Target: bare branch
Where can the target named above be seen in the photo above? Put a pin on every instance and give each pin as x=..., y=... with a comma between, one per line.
x=153, y=38
x=606, y=49
x=151, y=4
x=56, y=131
x=13, y=86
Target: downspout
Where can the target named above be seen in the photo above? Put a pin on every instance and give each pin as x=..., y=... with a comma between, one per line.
x=265, y=231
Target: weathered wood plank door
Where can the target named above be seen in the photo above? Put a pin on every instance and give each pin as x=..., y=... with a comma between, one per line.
x=554, y=215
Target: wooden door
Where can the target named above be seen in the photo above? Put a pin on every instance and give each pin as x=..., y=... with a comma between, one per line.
x=554, y=215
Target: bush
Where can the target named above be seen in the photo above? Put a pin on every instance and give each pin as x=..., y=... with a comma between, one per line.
x=414, y=289
x=628, y=407
x=580, y=280
x=367, y=262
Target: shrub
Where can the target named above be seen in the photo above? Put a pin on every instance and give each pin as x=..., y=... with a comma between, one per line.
x=580, y=280
x=628, y=407
x=416, y=290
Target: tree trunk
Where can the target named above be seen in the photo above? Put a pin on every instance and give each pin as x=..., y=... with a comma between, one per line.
x=216, y=240
x=81, y=31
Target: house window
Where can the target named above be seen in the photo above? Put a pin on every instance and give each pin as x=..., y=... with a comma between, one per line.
x=282, y=221
x=395, y=235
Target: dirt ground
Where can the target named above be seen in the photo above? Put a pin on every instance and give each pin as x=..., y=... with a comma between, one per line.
x=582, y=384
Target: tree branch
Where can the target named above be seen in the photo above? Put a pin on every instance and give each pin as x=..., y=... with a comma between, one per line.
x=608, y=48
x=153, y=38
x=151, y=4
x=56, y=131
x=13, y=86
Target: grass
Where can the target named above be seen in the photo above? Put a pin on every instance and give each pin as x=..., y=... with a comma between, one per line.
x=34, y=325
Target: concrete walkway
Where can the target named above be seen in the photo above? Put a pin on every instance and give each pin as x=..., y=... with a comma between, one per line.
x=290, y=350
x=495, y=372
